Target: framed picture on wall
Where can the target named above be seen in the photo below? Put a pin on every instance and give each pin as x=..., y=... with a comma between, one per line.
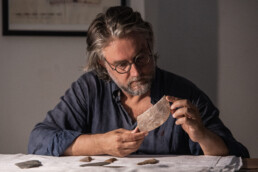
x=52, y=17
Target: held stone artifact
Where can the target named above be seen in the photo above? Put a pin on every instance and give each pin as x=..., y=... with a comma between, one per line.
x=154, y=116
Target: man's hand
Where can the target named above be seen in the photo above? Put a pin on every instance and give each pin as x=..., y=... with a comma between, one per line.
x=188, y=117
x=122, y=142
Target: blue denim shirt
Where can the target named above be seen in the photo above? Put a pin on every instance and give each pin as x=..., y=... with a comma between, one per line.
x=93, y=106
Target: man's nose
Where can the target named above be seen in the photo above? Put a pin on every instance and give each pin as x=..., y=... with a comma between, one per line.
x=134, y=70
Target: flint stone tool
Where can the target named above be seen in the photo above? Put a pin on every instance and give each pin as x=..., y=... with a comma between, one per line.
x=149, y=161
x=29, y=164
x=86, y=159
x=95, y=164
x=154, y=116
x=106, y=162
x=110, y=160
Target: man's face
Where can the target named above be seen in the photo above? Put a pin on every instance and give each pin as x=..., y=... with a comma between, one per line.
x=138, y=80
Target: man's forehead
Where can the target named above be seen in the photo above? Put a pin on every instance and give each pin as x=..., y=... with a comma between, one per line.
x=124, y=48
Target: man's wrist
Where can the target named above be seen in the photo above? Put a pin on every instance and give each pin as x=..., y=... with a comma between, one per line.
x=99, y=141
x=212, y=144
x=203, y=135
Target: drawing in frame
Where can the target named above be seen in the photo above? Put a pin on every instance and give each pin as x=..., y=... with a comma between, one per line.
x=52, y=17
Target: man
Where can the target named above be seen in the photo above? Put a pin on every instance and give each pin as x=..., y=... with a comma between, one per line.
x=97, y=115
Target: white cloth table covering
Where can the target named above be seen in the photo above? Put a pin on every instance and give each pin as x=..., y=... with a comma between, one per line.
x=166, y=163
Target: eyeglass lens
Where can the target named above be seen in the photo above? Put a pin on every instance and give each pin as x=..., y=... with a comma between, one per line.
x=140, y=60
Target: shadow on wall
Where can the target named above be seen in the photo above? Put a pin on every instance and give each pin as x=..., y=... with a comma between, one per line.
x=186, y=34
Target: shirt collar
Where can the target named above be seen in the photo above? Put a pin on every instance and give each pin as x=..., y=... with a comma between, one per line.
x=116, y=91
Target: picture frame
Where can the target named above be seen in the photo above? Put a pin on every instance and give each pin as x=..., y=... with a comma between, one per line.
x=51, y=17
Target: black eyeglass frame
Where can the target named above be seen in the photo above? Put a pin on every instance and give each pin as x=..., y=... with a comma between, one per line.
x=150, y=57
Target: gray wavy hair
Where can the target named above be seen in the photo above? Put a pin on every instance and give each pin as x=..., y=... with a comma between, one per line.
x=117, y=22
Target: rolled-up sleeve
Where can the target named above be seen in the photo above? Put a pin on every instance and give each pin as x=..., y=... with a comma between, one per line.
x=62, y=125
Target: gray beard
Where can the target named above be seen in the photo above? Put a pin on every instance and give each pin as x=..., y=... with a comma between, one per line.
x=142, y=88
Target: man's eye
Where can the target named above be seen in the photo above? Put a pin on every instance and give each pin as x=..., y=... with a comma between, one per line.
x=141, y=60
x=122, y=65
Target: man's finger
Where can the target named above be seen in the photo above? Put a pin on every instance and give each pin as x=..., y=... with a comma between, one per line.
x=179, y=104
x=172, y=98
x=179, y=113
x=184, y=112
x=134, y=136
x=181, y=121
x=128, y=151
x=136, y=130
x=132, y=145
x=121, y=130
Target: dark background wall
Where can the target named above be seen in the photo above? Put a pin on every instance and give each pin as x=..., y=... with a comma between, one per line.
x=186, y=39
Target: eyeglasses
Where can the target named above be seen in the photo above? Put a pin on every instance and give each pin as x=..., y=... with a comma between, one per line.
x=125, y=66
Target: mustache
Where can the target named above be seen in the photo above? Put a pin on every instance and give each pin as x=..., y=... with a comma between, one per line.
x=140, y=78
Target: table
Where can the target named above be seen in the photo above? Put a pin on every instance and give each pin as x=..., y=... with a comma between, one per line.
x=249, y=164
x=166, y=163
